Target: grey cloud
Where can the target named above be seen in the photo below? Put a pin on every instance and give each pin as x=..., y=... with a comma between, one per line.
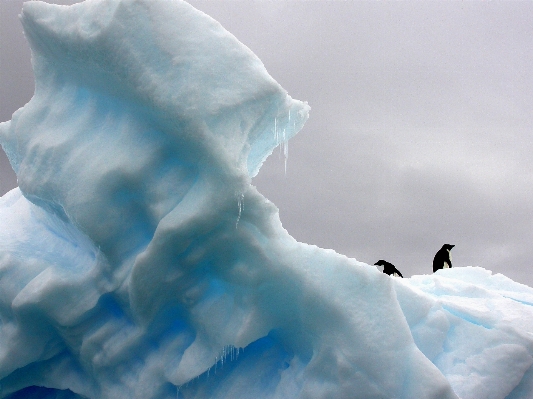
x=420, y=128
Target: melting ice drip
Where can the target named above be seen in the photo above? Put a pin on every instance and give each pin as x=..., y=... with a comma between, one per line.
x=228, y=352
x=282, y=138
x=240, y=205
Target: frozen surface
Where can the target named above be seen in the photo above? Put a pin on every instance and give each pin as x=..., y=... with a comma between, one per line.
x=138, y=261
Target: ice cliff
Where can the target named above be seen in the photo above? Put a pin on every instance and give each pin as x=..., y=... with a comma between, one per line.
x=138, y=261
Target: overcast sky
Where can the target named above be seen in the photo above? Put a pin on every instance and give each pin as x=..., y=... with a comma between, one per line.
x=420, y=130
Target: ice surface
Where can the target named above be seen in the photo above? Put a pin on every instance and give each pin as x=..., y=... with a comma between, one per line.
x=138, y=261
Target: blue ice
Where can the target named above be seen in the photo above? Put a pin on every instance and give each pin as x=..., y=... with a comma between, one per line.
x=137, y=260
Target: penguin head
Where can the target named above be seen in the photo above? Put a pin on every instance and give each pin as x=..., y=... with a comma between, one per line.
x=380, y=262
x=448, y=246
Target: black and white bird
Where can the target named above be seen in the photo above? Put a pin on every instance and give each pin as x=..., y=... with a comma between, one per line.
x=443, y=258
x=388, y=268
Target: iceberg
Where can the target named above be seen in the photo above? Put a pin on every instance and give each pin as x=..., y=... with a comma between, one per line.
x=137, y=260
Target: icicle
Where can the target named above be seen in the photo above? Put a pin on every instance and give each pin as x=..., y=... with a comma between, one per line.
x=240, y=204
x=228, y=353
x=286, y=154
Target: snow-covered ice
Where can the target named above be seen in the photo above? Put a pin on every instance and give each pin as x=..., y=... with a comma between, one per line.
x=138, y=261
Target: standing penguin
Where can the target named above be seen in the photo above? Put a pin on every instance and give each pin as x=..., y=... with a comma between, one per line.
x=443, y=258
x=388, y=268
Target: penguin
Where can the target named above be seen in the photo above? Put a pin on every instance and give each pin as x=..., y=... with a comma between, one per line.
x=443, y=258
x=388, y=268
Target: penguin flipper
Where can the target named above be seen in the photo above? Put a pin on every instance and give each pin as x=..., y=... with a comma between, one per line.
x=435, y=268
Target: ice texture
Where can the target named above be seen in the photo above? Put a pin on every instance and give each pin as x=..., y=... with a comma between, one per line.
x=138, y=261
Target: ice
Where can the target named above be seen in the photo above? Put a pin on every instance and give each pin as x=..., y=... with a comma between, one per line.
x=477, y=328
x=138, y=261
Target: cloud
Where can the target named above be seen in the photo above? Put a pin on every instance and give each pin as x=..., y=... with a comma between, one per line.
x=419, y=132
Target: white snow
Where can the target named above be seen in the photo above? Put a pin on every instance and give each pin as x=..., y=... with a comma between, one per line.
x=138, y=261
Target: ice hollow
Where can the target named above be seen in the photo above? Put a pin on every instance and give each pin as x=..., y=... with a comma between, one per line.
x=138, y=261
